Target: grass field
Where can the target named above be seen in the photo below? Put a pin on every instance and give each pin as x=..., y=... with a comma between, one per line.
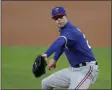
x=17, y=65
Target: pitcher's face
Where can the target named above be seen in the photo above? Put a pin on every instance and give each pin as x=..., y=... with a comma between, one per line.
x=61, y=20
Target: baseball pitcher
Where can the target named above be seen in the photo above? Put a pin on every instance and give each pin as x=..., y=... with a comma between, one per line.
x=83, y=69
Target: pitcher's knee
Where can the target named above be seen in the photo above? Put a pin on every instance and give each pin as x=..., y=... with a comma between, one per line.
x=44, y=84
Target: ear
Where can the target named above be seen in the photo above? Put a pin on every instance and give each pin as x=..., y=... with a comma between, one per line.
x=65, y=15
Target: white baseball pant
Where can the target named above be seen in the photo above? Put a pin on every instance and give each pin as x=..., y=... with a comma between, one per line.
x=72, y=78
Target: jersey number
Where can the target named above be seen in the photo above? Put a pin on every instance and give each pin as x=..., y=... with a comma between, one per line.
x=86, y=41
x=85, y=38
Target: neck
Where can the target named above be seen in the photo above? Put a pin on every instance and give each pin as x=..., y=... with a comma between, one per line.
x=66, y=22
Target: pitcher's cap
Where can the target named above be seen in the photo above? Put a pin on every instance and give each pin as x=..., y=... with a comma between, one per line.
x=58, y=11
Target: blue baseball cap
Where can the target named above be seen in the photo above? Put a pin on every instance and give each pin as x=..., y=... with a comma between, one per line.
x=58, y=11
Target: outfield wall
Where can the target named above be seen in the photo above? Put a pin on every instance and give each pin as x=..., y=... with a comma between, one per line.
x=29, y=23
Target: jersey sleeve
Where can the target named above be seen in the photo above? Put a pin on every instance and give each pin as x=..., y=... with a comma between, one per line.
x=58, y=53
x=57, y=45
x=69, y=36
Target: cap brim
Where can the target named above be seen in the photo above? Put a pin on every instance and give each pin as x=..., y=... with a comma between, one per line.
x=58, y=15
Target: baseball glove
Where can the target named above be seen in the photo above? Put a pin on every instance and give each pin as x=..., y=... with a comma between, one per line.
x=39, y=66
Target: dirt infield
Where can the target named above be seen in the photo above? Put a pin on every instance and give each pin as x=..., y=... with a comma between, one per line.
x=29, y=22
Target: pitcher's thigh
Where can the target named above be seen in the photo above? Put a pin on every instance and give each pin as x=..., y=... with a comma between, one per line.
x=57, y=80
x=81, y=79
x=83, y=84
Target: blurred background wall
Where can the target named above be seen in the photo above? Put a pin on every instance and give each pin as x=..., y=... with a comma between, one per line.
x=29, y=23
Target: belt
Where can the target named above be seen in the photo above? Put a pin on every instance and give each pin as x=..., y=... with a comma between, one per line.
x=83, y=64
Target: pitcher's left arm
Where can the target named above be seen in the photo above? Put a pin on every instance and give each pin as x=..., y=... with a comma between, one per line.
x=57, y=45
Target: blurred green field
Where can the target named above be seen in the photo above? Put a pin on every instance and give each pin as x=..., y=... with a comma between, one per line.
x=17, y=65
